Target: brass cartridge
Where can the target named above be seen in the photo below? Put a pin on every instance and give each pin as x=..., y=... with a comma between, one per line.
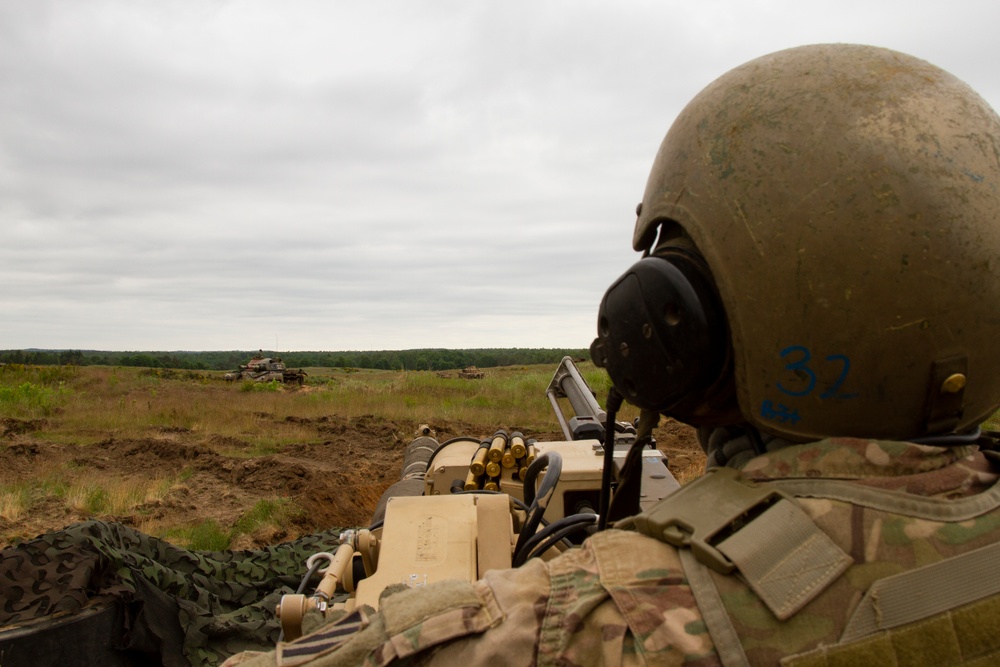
x=478, y=465
x=496, y=448
x=508, y=460
x=517, y=446
x=493, y=469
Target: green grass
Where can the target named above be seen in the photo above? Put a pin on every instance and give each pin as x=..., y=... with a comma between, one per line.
x=30, y=401
x=265, y=512
x=210, y=536
x=94, y=403
x=993, y=423
x=90, y=405
x=204, y=536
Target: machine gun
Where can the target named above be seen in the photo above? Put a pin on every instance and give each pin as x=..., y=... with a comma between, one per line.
x=470, y=505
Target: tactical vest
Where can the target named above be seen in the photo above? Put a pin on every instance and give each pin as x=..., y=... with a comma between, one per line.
x=824, y=573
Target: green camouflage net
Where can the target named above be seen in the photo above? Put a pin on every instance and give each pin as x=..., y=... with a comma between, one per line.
x=196, y=607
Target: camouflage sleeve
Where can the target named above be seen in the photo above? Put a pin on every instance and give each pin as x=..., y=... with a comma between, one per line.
x=622, y=599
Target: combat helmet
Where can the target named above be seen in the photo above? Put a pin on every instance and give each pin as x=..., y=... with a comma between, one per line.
x=822, y=253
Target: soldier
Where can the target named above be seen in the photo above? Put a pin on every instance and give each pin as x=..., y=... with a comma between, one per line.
x=819, y=294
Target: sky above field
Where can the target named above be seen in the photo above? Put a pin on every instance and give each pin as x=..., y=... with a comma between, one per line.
x=320, y=175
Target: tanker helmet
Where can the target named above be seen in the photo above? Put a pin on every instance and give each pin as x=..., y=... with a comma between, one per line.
x=822, y=247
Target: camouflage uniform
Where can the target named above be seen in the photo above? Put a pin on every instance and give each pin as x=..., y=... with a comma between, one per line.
x=625, y=598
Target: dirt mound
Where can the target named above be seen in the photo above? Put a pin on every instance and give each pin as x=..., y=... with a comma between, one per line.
x=334, y=480
x=10, y=426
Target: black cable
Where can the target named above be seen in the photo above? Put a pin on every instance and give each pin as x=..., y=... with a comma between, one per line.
x=551, y=459
x=558, y=536
x=953, y=439
x=561, y=527
x=536, y=509
x=614, y=403
x=309, y=575
x=554, y=532
x=572, y=519
x=553, y=462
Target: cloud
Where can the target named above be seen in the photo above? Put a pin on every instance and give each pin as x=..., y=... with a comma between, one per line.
x=372, y=175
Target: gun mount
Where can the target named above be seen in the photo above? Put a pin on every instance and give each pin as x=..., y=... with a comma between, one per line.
x=473, y=504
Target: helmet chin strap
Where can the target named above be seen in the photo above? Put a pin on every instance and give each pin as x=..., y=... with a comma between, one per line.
x=614, y=403
x=628, y=496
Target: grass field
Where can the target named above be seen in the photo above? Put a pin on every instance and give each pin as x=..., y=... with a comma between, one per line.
x=212, y=464
x=86, y=404
x=144, y=446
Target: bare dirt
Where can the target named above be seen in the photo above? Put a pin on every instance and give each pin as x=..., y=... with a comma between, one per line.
x=336, y=479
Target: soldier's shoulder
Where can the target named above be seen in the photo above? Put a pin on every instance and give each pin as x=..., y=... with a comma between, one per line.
x=852, y=458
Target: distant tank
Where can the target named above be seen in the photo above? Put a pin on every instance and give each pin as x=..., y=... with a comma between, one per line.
x=471, y=373
x=267, y=369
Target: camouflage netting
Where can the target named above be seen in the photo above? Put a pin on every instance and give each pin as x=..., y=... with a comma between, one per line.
x=194, y=607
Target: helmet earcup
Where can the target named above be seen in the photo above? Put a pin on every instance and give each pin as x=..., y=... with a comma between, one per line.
x=662, y=334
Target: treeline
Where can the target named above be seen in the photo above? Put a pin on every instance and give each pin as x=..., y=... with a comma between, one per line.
x=431, y=359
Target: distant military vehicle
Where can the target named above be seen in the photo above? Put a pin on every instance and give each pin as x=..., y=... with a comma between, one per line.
x=471, y=373
x=267, y=369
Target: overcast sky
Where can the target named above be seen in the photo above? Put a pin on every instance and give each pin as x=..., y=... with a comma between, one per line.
x=321, y=175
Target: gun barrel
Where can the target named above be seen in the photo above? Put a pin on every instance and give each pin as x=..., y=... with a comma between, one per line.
x=568, y=383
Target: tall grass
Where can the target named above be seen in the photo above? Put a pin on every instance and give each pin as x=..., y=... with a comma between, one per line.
x=503, y=396
x=33, y=392
x=86, y=495
x=94, y=496
x=29, y=400
x=14, y=501
x=94, y=404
